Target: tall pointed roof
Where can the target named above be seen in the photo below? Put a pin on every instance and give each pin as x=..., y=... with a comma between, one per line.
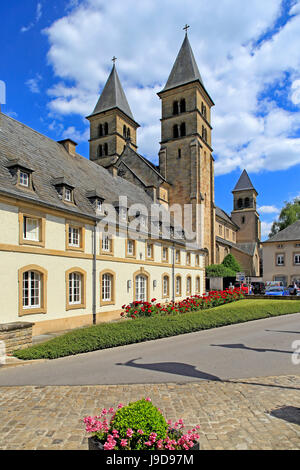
x=244, y=183
x=185, y=69
x=113, y=96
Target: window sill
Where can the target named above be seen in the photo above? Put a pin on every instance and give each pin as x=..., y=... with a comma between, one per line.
x=32, y=311
x=75, y=306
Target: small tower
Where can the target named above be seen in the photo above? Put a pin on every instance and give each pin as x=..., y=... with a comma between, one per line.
x=111, y=123
x=185, y=157
x=244, y=212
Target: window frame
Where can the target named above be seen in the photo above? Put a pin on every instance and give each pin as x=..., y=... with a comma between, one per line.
x=165, y=294
x=81, y=228
x=42, y=308
x=188, y=292
x=164, y=260
x=128, y=242
x=82, y=303
x=141, y=272
x=42, y=226
x=109, y=252
x=151, y=257
x=276, y=259
x=178, y=294
x=112, y=299
x=294, y=258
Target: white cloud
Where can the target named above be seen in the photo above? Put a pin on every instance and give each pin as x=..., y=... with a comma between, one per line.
x=33, y=84
x=266, y=229
x=38, y=15
x=248, y=133
x=268, y=210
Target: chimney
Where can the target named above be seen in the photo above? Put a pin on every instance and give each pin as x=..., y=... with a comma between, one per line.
x=69, y=145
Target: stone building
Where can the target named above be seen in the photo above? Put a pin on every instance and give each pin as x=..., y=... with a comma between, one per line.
x=59, y=267
x=281, y=255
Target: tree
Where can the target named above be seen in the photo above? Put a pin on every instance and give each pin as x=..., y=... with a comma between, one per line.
x=289, y=214
x=219, y=270
x=230, y=262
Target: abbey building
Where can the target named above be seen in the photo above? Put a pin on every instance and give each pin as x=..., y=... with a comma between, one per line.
x=58, y=268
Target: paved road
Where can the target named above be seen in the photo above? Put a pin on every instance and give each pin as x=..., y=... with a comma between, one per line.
x=255, y=349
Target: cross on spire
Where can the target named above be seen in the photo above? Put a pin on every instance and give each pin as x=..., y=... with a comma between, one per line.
x=114, y=59
x=186, y=28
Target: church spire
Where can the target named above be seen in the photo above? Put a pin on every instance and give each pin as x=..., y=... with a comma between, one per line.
x=185, y=69
x=113, y=95
x=244, y=183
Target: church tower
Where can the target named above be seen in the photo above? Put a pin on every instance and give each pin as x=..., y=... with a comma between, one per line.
x=111, y=123
x=185, y=157
x=244, y=212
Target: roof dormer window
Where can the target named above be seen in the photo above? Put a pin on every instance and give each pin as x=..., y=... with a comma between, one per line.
x=96, y=200
x=21, y=173
x=24, y=178
x=64, y=189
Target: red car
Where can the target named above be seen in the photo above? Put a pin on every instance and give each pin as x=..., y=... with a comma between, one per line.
x=244, y=287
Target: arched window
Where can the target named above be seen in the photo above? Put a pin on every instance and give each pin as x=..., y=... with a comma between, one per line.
x=128, y=133
x=106, y=149
x=197, y=260
x=165, y=285
x=198, y=285
x=141, y=288
x=188, y=285
x=178, y=285
x=182, y=129
x=247, y=202
x=243, y=219
x=107, y=287
x=175, y=131
x=179, y=153
x=32, y=290
x=100, y=151
x=106, y=128
x=75, y=288
x=240, y=203
x=124, y=131
x=182, y=105
x=175, y=108
x=100, y=130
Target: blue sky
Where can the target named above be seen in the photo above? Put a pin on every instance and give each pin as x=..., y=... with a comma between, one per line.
x=56, y=57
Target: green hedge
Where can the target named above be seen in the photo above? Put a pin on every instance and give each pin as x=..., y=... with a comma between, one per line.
x=109, y=335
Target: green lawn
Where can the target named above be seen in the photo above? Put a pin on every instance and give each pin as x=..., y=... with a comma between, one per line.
x=109, y=335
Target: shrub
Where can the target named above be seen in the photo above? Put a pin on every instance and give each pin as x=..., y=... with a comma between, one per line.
x=139, y=426
x=231, y=263
x=219, y=270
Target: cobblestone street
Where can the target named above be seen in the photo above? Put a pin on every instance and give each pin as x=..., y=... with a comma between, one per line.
x=258, y=413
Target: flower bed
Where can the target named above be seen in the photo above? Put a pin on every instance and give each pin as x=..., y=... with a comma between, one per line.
x=190, y=304
x=139, y=426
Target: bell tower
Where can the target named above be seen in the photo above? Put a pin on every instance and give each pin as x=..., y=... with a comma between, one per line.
x=244, y=212
x=185, y=157
x=111, y=123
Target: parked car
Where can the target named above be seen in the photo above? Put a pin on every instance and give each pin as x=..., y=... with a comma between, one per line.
x=277, y=290
x=258, y=287
x=244, y=287
x=298, y=292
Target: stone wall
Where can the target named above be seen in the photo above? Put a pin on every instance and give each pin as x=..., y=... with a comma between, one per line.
x=17, y=335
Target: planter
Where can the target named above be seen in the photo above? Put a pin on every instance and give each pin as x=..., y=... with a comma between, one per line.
x=95, y=444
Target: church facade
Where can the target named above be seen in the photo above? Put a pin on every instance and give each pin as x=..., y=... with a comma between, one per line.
x=81, y=237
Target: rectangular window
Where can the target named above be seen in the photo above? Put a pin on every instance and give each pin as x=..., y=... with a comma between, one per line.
x=106, y=287
x=130, y=247
x=177, y=256
x=31, y=229
x=178, y=285
x=99, y=205
x=74, y=236
x=24, y=178
x=74, y=288
x=149, y=250
x=165, y=254
x=68, y=195
x=188, y=258
x=280, y=260
x=165, y=286
x=31, y=289
x=106, y=243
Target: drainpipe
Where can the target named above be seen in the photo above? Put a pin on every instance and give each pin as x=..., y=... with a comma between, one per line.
x=94, y=272
x=173, y=272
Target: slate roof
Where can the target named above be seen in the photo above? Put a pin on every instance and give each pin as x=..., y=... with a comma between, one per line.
x=290, y=233
x=223, y=215
x=185, y=68
x=244, y=183
x=246, y=248
x=113, y=96
x=50, y=161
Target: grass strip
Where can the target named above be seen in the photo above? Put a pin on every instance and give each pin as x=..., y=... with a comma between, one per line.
x=109, y=335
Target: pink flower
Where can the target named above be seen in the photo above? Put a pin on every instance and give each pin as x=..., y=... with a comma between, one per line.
x=123, y=442
x=148, y=399
x=140, y=431
x=129, y=432
x=120, y=405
